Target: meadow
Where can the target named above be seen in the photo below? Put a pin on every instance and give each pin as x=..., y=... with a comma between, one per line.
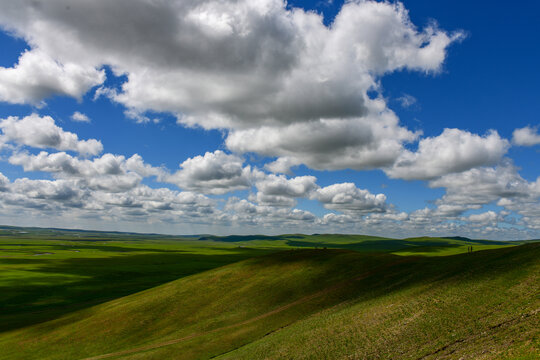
x=95, y=295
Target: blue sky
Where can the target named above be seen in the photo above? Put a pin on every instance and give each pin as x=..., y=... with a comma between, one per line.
x=397, y=119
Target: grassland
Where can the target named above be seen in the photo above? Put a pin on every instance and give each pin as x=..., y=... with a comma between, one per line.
x=45, y=274
x=75, y=295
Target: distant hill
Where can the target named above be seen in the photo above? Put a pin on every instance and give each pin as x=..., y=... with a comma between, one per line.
x=462, y=238
x=409, y=246
x=365, y=243
x=62, y=230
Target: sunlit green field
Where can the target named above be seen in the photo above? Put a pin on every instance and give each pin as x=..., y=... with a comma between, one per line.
x=73, y=295
x=41, y=279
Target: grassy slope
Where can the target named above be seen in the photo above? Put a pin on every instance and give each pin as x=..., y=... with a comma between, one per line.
x=43, y=278
x=480, y=306
x=46, y=273
x=312, y=304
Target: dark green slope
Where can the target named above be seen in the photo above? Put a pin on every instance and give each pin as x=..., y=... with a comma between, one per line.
x=481, y=306
x=313, y=304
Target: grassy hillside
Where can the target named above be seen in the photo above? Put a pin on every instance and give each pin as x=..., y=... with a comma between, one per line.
x=43, y=278
x=325, y=303
x=46, y=273
x=482, y=306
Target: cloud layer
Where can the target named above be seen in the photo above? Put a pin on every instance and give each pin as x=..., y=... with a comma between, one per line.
x=255, y=68
x=278, y=83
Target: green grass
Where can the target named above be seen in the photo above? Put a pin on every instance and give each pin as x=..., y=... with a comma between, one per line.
x=425, y=246
x=49, y=272
x=484, y=305
x=43, y=278
x=325, y=303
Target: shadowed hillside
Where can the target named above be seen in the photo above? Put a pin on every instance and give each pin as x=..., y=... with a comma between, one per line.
x=312, y=304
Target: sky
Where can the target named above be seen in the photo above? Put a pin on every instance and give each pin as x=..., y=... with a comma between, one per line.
x=384, y=118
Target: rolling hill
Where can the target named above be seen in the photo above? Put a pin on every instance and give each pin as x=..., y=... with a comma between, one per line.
x=313, y=303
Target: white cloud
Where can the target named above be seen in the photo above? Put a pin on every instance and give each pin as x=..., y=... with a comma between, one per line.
x=279, y=82
x=381, y=218
x=4, y=182
x=80, y=117
x=213, y=173
x=251, y=67
x=300, y=186
x=80, y=200
x=109, y=172
x=60, y=190
x=526, y=136
x=136, y=164
x=42, y=132
x=453, y=151
x=280, y=165
x=279, y=191
x=407, y=100
x=348, y=198
x=77, y=199
x=242, y=212
x=359, y=143
x=149, y=202
x=483, y=185
x=64, y=163
x=484, y=218
x=338, y=219
x=272, y=200
x=38, y=75
x=472, y=189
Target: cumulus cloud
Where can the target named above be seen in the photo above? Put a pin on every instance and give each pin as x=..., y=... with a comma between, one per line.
x=136, y=164
x=272, y=200
x=530, y=214
x=276, y=190
x=378, y=218
x=60, y=190
x=251, y=67
x=42, y=132
x=244, y=212
x=348, y=198
x=76, y=198
x=484, y=218
x=471, y=190
x=44, y=196
x=299, y=186
x=253, y=60
x=80, y=117
x=527, y=136
x=359, y=210
x=4, y=182
x=37, y=76
x=109, y=172
x=484, y=185
x=147, y=201
x=453, y=151
x=212, y=173
x=280, y=165
x=359, y=143
x=278, y=81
